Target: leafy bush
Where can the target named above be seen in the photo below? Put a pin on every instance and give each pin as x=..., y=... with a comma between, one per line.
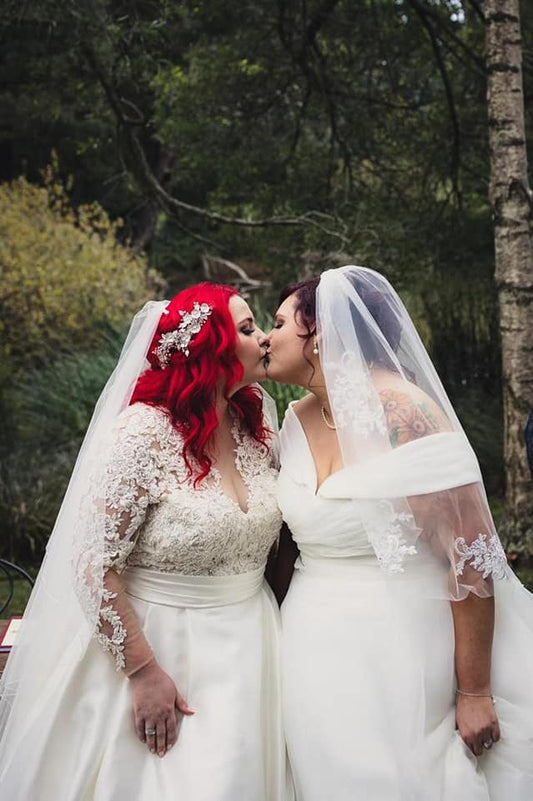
x=50, y=409
x=63, y=271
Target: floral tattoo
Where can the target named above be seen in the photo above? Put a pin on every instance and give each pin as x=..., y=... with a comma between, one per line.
x=406, y=419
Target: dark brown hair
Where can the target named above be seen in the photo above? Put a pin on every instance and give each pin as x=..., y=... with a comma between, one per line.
x=378, y=303
x=305, y=306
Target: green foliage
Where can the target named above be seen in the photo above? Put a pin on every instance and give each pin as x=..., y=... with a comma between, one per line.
x=63, y=271
x=51, y=407
x=282, y=394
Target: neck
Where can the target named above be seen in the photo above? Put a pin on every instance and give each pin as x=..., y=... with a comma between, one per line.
x=322, y=397
x=221, y=406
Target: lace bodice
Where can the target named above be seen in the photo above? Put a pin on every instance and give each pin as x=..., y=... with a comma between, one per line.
x=157, y=519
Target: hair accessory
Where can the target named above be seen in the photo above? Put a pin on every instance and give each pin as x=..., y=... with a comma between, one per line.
x=180, y=338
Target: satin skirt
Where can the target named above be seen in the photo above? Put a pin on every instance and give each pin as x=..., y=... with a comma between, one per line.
x=217, y=637
x=369, y=690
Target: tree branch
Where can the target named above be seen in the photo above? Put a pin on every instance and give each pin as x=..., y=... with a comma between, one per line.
x=421, y=11
x=143, y=171
x=478, y=10
x=319, y=20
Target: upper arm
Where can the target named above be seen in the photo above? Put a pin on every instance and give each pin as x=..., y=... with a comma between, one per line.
x=411, y=415
x=133, y=479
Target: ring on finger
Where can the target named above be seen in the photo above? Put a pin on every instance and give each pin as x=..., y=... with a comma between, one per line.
x=150, y=732
x=487, y=744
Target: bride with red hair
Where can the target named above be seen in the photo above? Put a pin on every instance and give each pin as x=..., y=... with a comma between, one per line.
x=151, y=632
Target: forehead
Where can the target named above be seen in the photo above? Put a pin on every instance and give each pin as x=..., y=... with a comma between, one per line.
x=239, y=309
x=287, y=307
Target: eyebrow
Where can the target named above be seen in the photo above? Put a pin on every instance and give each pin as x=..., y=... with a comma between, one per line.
x=246, y=320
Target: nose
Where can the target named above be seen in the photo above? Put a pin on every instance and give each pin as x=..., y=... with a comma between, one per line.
x=263, y=339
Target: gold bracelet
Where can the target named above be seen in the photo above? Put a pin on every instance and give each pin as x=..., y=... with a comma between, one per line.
x=475, y=695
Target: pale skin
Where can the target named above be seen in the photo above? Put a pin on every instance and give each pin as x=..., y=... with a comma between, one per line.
x=410, y=413
x=157, y=702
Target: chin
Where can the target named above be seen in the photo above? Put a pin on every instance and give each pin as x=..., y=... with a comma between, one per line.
x=254, y=376
x=276, y=374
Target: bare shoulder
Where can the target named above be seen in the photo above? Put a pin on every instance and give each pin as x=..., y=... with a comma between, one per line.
x=410, y=412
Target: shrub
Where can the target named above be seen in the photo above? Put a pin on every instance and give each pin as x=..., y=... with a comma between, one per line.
x=63, y=271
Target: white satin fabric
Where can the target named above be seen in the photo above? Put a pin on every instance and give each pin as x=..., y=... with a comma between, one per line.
x=217, y=637
x=367, y=661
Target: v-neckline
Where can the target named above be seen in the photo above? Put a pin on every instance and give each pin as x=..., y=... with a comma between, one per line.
x=238, y=444
x=316, y=487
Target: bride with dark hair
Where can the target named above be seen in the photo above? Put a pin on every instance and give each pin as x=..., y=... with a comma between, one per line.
x=407, y=646
x=150, y=632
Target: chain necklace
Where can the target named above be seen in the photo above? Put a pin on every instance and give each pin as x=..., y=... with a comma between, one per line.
x=324, y=418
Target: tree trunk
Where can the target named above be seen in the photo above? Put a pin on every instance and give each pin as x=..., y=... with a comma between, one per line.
x=149, y=214
x=511, y=200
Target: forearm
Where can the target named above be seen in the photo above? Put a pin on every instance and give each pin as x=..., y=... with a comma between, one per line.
x=119, y=630
x=473, y=621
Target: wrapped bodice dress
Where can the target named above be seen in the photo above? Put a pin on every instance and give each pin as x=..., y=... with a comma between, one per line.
x=368, y=657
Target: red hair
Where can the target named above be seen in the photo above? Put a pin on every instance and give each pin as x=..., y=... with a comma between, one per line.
x=186, y=388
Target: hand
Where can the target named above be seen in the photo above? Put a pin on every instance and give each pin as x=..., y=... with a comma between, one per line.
x=477, y=722
x=156, y=702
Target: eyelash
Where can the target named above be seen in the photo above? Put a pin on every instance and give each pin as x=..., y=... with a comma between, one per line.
x=248, y=331
x=278, y=325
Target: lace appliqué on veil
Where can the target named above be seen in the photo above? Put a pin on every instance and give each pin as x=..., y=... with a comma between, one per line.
x=485, y=554
x=353, y=399
x=390, y=544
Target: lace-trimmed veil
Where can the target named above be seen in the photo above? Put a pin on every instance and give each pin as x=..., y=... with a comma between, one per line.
x=407, y=460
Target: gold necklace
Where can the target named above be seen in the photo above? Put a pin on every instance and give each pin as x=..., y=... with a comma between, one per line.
x=324, y=418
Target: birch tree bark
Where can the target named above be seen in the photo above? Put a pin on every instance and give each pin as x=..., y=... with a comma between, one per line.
x=511, y=200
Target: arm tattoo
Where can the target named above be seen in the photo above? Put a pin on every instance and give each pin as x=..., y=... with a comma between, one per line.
x=407, y=419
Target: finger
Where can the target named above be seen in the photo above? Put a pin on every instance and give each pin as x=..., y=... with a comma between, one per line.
x=182, y=705
x=475, y=746
x=172, y=726
x=150, y=731
x=161, y=738
x=496, y=734
x=139, y=728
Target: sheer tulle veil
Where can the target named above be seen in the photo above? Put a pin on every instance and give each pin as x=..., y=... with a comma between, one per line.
x=61, y=615
x=406, y=457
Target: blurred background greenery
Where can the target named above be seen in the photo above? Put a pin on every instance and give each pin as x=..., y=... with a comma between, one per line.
x=140, y=140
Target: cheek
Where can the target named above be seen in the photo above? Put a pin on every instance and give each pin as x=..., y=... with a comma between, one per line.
x=248, y=350
x=289, y=343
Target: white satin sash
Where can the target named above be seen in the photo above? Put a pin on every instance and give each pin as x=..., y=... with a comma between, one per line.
x=180, y=590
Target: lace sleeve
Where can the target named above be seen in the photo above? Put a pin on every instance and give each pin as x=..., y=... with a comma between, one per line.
x=133, y=479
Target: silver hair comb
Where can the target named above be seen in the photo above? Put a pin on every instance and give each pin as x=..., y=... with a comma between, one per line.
x=180, y=338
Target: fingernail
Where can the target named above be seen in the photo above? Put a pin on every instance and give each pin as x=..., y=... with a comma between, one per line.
x=161, y=754
x=152, y=750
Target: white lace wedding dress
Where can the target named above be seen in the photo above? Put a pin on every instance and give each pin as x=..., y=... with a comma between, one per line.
x=192, y=563
x=367, y=662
